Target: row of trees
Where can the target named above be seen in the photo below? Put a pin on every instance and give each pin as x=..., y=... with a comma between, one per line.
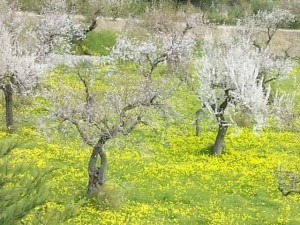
x=123, y=8
x=234, y=74
x=26, y=43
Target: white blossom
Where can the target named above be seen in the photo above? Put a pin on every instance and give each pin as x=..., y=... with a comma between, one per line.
x=236, y=69
x=277, y=18
x=25, y=43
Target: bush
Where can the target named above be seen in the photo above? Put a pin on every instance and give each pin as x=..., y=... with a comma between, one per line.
x=109, y=196
x=258, y=5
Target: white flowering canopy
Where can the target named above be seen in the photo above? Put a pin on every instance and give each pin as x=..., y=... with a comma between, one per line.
x=232, y=69
x=176, y=48
x=25, y=41
x=269, y=22
x=277, y=18
x=126, y=97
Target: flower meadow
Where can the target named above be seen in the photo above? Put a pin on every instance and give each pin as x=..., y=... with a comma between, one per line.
x=159, y=174
x=165, y=178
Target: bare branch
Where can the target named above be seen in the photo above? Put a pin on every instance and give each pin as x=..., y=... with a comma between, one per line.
x=91, y=27
x=81, y=133
x=154, y=63
x=133, y=125
x=287, y=182
x=86, y=88
x=271, y=79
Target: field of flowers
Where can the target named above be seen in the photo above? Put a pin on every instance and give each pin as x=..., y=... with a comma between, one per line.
x=168, y=177
x=163, y=174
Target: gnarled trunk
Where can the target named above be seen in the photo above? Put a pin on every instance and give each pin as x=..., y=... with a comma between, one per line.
x=223, y=125
x=219, y=142
x=97, y=173
x=8, y=95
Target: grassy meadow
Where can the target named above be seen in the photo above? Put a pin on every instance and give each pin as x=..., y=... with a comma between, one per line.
x=168, y=177
x=161, y=174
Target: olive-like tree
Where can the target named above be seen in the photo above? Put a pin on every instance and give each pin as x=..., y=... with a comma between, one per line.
x=25, y=42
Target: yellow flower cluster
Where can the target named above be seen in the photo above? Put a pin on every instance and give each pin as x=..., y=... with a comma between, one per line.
x=175, y=180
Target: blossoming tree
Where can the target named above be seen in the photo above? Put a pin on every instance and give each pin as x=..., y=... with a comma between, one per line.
x=25, y=42
x=108, y=104
x=268, y=22
x=235, y=75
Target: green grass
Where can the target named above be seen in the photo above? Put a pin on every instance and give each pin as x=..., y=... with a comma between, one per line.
x=165, y=175
x=97, y=43
x=171, y=180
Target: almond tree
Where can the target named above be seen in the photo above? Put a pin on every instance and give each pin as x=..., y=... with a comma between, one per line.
x=262, y=22
x=123, y=100
x=25, y=42
x=233, y=74
x=268, y=22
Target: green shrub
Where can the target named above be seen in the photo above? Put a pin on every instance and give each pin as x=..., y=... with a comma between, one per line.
x=109, y=196
x=258, y=5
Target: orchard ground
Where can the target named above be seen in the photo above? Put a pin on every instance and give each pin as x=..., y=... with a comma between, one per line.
x=166, y=175
x=169, y=177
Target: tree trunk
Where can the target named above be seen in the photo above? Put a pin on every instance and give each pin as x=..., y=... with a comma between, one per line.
x=8, y=95
x=97, y=174
x=223, y=125
x=198, y=127
x=219, y=142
